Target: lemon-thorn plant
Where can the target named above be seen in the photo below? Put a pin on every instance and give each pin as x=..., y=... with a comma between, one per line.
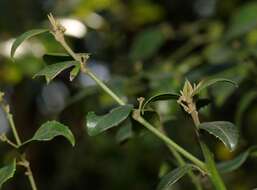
x=122, y=117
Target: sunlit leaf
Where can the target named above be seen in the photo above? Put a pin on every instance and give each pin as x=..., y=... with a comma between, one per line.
x=125, y=131
x=208, y=83
x=172, y=177
x=226, y=131
x=7, y=172
x=160, y=97
x=243, y=21
x=98, y=124
x=51, y=71
x=50, y=130
x=24, y=37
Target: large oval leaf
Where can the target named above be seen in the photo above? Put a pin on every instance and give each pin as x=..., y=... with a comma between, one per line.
x=226, y=131
x=98, y=124
x=50, y=130
x=206, y=83
x=7, y=172
x=172, y=177
x=24, y=37
x=51, y=71
x=231, y=165
x=160, y=97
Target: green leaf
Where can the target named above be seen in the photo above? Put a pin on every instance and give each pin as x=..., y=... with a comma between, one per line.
x=208, y=83
x=98, y=124
x=160, y=97
x=226, y=131
x=24, y=37
x=125, y=131
x=172, y=177
x=146, y=44
x=74, y=72
x=50, y=130
x=51, y=58
x=235, y=163
x=7, y=172
x=51, y=71
x=243, y=21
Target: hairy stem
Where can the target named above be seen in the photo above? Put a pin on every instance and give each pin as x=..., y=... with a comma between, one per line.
x=19, y=143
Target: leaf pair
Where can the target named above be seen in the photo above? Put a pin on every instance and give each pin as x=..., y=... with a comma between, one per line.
x=50, y=71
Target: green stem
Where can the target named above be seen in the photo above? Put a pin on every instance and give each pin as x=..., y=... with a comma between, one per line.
x=105, y=88
x=169, y=142
x=19, y=143
x=208, y=156
x=181, y=162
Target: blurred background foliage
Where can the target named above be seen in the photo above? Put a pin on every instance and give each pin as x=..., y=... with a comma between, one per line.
x=140, y=48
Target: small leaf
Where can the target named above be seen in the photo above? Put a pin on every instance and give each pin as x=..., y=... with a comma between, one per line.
x=160, y=97
x=125, y=131
x=207, y=83
x=235, y=163
x=24, y=37
x=172, y=177
x=50, y=130
x=51, y=71
x=51, y=58
x=7, y=172
x=226, y=131
x=74, y=72
x=98, y=124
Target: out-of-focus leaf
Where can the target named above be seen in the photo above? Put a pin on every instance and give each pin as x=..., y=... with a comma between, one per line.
x=207, y=83
x=51, y=71
x=7, y=172
x=74, y=72
x=160, y=97
x=50, y=130
x=125, y=131
x=243, y=21
x=51, y=58
x=24, y=37
x=172, y=177
x=226, y=131
x=235, y=163
x=146, y=44
x=243, y=104
x=98, y=124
